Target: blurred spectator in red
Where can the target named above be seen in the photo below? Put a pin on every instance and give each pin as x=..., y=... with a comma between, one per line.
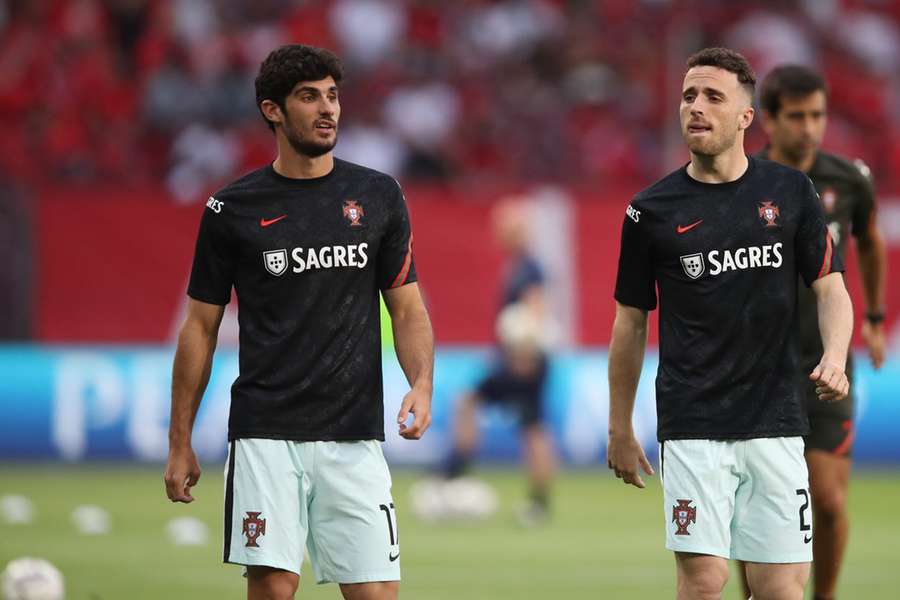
x=133, y=91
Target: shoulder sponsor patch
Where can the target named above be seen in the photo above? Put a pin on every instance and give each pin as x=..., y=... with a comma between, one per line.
x=214, y=205
x=633, y=213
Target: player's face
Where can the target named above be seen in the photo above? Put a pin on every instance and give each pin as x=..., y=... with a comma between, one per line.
x=510, y=222
x=310, y=117
x=799, y=126
x=715, y=108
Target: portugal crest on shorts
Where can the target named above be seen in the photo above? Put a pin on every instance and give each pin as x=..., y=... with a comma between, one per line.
x=275, y=261
x=693, y=265
x=354, y=212
x=253, y=528
x=769, y=212
x=683, y=515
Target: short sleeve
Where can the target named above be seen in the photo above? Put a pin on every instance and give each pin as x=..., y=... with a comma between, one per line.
x=864, y=205
x=396, y=266
x=814, y=247
x=212, y=274
x=636, y=281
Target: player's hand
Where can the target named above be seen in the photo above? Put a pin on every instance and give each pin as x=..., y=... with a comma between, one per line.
x=418, y=403
x=831, y=382
x=182, y=473
x=625, y=456
x=873, y=336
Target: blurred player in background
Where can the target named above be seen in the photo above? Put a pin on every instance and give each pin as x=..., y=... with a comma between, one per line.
x=307, y=242
x=524, y=332
x=794, y=103
x=724, y=239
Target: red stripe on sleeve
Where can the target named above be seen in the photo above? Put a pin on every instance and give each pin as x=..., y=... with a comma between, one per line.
x=404, y=272
x=826, y=262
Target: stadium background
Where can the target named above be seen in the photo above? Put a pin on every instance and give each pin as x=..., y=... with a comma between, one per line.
x=120, y=117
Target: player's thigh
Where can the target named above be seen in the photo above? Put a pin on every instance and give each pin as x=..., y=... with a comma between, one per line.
x=701, y=574
x=537, y=439
x=532, y=397
x=352, y=517
x=699, y=484
x=773, y=517
x=829, y=479
x=266, y=583
x=376, y=590
x=265, y=505
x=777, y=581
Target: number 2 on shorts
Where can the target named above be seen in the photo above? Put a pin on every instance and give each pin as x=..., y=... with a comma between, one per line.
x=804, y=526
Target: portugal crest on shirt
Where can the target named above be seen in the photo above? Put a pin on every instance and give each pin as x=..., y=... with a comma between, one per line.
x=275, y=261
x=769, y=212
x=353, y=212
x=683, y=514
x=693, y=265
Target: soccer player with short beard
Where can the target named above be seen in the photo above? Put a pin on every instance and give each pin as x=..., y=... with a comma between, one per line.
x=308, y=243
x=720, y=244
x=794, y=102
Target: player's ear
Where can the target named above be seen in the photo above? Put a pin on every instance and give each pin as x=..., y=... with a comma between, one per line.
x=271, y=111
x=746, y=118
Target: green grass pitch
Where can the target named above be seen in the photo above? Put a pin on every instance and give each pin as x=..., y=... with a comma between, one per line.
x=605, y=540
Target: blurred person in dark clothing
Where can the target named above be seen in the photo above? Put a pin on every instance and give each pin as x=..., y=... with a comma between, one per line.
x=794, y=101
x=517, y=379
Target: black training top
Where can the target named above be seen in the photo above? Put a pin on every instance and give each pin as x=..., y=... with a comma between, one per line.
x=307, y=258
x=725, y=259
x=847, y=198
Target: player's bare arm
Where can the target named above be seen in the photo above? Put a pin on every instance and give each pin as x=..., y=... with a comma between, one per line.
x=190, y=374
x=414, y=343
x=836, y=325
x=872, y=266
x=626, y=356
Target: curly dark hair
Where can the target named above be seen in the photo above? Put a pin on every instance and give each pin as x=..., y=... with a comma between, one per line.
x=729, y=60
x=288, y=65
x=789, y=81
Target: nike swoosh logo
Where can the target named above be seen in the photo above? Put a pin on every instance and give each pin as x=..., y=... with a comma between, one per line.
x=682, y=228
x=266, y=223
x=807, y=539
x=393, y=557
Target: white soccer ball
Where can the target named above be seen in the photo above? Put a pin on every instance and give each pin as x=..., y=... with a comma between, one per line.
x=519, y=327
x=32, y=579
x=471, y=498
x=459, y=499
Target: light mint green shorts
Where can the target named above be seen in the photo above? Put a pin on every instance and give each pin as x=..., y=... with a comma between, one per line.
x=334, y=498
x=741, y=499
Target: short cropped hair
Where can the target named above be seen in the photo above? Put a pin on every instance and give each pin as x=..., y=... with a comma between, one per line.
x=288, y=65
x=729, y=60
x=789, y=81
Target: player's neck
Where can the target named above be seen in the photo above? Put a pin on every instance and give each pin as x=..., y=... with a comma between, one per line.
x=297, y=166
x=803, y=163
x=721, y=168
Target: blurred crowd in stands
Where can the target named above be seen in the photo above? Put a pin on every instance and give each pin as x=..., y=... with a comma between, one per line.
x=583, y=92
